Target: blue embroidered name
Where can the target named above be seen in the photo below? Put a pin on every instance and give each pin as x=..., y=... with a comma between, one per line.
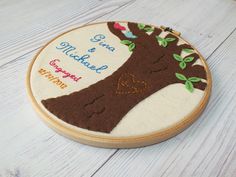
x=70, y=51
x=100, y=39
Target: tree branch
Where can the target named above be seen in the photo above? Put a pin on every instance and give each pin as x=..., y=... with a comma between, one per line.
x=136, y=31
x=156, y=32
x=197, y=71
x=173, y=45
x=116, y=32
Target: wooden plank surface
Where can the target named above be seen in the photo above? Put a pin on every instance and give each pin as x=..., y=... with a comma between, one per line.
x=29, y=28
x=29, y=148
x=207, y=148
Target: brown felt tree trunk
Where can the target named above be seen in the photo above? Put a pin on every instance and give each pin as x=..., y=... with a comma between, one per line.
x=150, y=68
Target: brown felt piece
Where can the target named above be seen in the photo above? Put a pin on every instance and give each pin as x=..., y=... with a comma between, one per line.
x=151, y=67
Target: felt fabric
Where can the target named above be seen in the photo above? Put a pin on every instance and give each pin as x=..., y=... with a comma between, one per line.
x=150, y=68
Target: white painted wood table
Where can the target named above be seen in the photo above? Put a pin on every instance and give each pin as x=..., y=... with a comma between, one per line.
x=29, y=148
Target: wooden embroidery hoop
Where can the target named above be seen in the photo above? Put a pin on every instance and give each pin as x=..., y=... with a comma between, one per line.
x=76, y=134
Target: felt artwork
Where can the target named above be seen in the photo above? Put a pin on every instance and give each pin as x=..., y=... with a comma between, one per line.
x=120, y=78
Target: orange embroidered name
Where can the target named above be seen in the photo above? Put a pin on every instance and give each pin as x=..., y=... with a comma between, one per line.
x=51, y=78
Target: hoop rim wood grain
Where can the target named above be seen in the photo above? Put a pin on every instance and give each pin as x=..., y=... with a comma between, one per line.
x=71, y=132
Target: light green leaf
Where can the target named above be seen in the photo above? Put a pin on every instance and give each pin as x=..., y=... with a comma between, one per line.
x=182, y=65
x=159, y=38
x=188, y=59
x=194, y=79
x=125, y=42
x=141, y=26
x=149, y=29
x=164, y=43
x=188, y=50
x=180, y=76
x=131, y=47
x=189, y=86
x=161, y=41
x=169, y=39
x=177, y=57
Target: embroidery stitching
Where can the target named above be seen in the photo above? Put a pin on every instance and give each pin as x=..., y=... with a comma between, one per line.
x=128, y=85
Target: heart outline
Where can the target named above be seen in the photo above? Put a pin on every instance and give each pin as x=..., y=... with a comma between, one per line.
x=128, y=84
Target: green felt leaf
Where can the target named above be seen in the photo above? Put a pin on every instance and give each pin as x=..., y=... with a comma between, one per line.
x=141, y=26
x=125, y=42
x=170, y=39
x=188, y=59
x=194, y=79
x=189, y=86
x=177, y=57
x=161, y=41
x=180, y=76
x=182, y=65
x=159, y=38
x=164, y=43
x=149, y=29
x=188, y=50
x=131, y=47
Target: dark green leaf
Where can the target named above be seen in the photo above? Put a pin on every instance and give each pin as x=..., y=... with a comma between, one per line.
x=131, y=47
x=169, y=39
x=177, y=57
x=189, y=86
x=180, y=76
x=125, y=42
x=141, y=26
x=194, y=79
x=188, y=59
x=182, y=65
x=188, y=50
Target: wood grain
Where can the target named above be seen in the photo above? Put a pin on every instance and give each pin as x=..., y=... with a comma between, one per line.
x=28, y=148
x=43, y=21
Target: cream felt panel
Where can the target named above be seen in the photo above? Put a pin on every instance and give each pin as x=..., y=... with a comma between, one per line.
x=158, y=111
x=181, y=42
x=163, y=34
x=197, y=62
x=80, y=38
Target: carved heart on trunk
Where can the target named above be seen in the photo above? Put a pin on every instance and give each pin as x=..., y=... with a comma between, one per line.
x=128, y=84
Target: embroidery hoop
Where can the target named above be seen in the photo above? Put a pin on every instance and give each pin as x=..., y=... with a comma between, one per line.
x=154, y=137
